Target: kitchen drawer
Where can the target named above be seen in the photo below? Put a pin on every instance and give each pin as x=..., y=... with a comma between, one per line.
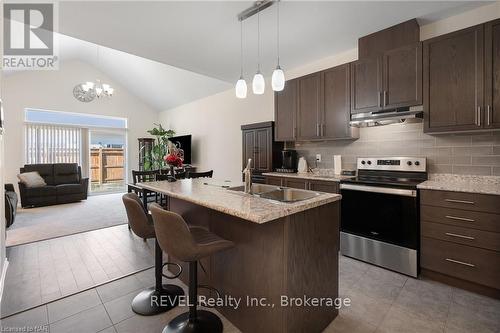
x=324, y=186
x=473, y=237
x=461, y=218
x=468, y=201
x=296, y=183
x=277, y=181
x=461, y=261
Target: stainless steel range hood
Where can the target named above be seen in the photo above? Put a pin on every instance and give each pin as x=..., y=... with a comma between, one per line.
x=386, y=117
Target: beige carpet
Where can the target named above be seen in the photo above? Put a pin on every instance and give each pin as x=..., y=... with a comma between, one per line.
x=34, y=224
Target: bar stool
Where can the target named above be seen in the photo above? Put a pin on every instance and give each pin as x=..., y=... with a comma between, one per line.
x=188, y=244
x=161, y=297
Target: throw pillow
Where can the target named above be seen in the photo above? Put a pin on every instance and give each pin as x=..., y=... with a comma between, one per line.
x=31, y=179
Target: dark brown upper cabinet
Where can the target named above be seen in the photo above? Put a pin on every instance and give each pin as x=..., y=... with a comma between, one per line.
x=309, y=104
x=377, y=43
x=402, y=78
x=315, y=107
x=285, y=112
x=391, y=80
x=366, y=85
x=258, y=144
x=454, y=81
x=492, y=74
x=336, y=103
x=249, y=147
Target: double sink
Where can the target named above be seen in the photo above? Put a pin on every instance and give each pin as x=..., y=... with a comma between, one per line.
x=282, y=194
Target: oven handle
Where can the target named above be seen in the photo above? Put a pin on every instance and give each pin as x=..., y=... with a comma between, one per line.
x=376, y=189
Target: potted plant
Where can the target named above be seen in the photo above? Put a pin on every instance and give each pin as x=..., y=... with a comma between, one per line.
x=155, y=160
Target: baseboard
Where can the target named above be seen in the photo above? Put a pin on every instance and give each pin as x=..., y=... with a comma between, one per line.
x=462, y=284
x=2, y=278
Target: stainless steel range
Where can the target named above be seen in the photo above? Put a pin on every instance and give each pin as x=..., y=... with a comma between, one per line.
x=380, y=212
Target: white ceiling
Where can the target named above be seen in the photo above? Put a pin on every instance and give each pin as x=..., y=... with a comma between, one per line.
x=161, y=86
x=204, y=36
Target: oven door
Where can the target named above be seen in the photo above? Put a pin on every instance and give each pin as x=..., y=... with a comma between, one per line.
x=385, y=214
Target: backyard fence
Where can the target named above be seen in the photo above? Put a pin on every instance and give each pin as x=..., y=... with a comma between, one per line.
x=106, y=165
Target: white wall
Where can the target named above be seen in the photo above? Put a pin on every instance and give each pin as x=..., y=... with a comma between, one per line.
x=53, y=90
x=2, y=173
x=215, y=121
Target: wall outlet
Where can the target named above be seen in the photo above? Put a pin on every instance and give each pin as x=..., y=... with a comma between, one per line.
x=318, y=157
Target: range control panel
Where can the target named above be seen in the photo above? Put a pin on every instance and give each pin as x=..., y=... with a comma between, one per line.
x=417, y=164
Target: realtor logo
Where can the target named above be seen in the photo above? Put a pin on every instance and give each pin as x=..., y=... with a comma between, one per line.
x=28, y=30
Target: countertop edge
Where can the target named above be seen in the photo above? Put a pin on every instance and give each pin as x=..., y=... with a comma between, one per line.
x=286, y=211
x=449, y=188
x=335, y=179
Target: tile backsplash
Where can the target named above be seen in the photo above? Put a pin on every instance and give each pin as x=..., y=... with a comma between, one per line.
x=471, y=153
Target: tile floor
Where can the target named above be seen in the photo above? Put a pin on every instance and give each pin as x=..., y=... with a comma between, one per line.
x=44, y=271
x=382, y=301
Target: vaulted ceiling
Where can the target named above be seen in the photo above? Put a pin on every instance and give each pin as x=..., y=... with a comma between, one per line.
x=204, y=36
x=169, y=53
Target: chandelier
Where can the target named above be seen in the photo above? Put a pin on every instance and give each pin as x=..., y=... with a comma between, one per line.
x=88, y=91
x=98, y=88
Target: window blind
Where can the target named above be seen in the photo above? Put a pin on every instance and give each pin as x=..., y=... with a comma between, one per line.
x=52, y=144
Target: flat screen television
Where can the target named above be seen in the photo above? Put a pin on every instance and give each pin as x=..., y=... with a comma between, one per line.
x=183, y=142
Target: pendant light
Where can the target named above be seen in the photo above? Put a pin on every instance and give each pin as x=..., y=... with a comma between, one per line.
x=241, y=84
x=258, y=83
x=278, y=78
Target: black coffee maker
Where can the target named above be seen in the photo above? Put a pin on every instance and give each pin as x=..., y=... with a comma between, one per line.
x=288, y=161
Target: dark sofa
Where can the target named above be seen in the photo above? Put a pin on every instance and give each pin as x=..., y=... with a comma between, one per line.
x=10, y=204
x=64, y=184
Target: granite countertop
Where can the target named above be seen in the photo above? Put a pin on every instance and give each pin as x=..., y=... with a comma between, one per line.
x=462, y=183
x=310, y=175
x=210, y=193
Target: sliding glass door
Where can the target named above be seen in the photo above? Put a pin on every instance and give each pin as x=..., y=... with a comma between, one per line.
x=107, y=161
x=96, y=143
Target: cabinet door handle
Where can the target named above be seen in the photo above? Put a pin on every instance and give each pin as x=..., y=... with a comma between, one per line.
x=488, y=115
x=458, y=236
x=322, y=129
x=317, y=129
x=385, y=97
x=459, y=218
x=460, y=201
x=478, y=116
x=294, y=132
x=460, y=262
x=378, y=95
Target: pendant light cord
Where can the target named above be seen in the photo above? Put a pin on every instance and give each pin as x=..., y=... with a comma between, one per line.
x=241, y=48
x=278, y=31
x=258, y=40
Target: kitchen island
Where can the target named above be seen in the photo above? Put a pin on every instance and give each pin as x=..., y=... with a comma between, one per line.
x=286, y=254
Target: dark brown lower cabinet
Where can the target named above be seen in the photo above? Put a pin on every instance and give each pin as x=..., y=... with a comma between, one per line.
x=460, y=239
x=296, y=183
x=274, y=181
x=324, y=186
x=304, y=184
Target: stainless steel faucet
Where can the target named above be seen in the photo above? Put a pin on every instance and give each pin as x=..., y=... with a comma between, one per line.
x=247, y=173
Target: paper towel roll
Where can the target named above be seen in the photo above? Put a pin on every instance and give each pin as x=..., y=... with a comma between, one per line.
x=337, y=164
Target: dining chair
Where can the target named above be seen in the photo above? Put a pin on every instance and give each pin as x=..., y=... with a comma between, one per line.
x=206, y=174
